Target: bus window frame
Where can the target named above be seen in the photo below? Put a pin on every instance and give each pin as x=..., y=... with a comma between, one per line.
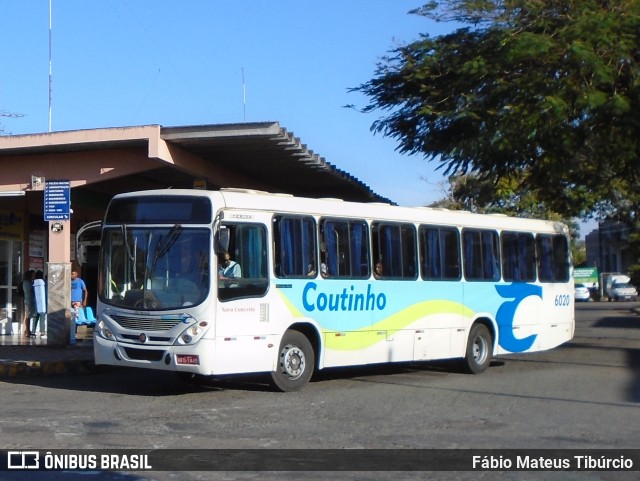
x=495, y=258
x=312, y=270
x=326, y=267
x=552, y=258
x=240, y=290
x=442, y=229
x=376, y=255
x=530, y=260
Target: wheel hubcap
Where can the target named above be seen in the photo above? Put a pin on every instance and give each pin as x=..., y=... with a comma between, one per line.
x=293, y=362
x=479, y=350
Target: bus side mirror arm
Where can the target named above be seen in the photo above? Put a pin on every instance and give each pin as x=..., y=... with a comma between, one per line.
x=222, y=240
x=221, y=237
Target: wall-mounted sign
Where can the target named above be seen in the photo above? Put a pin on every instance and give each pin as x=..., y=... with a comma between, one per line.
x=57, y=200
x=11, y=225
x=200, y=184
x=57, y=227
x=37, y=243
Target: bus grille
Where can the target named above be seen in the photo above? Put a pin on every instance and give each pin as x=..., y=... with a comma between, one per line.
x=147, y=324
x=143, y=354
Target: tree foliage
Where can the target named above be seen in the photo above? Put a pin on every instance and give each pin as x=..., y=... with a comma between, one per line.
x=476, y=194
x=472, y=193
x=541, y=96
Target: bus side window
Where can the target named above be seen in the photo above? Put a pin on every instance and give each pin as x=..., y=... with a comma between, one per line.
x=248, y=248
x=440, y=253
x=552, y=254
x=481, y=252
x=346, y=248
x=394, y=251
x=294, y=246
x=518, y=256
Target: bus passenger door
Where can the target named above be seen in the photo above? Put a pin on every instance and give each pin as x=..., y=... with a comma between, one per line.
x=87, y=256
x=244, y=334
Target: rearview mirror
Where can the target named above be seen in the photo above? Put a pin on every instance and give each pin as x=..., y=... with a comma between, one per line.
x=222, y=240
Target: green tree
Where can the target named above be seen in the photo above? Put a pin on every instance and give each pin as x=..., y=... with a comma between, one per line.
x=478, y=194
x=472, y=193
x=541, y=96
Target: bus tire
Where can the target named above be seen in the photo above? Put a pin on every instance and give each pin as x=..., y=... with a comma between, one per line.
x=296, y=362
x=479, y=350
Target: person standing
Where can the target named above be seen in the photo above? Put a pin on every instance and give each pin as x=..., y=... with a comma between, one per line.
x=79, y=292
x=29, y=302
x=40, y=294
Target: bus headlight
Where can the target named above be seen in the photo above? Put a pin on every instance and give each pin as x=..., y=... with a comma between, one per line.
x=192, y=334
x=104, y=330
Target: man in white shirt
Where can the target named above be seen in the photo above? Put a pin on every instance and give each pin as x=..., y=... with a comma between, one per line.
x=228, y=269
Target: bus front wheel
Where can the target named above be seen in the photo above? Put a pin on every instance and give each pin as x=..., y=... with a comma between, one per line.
x=479, y=350
x=296, y=361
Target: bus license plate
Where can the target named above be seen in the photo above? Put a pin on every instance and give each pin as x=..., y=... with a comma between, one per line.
x=187, y=359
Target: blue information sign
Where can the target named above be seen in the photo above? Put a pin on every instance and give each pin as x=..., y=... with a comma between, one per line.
x=57, y=200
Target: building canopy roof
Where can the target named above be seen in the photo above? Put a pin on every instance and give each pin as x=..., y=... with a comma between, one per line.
x=250, y=155
x=268, y=151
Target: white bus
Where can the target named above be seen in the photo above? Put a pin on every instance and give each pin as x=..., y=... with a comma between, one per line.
x=319, y=283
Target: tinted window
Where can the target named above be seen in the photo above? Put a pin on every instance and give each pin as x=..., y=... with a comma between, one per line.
x=248, y=253
x=344, y=248
x=552, y=252
x=481, y=255
x=294, y=244
x=159, y=210
x=440, y=253
x=394, y=250
x=518, y=256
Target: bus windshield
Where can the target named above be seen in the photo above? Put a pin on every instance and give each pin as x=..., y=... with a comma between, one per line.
x=155, y=268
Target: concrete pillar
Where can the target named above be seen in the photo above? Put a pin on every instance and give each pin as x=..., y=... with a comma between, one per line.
x=59, y=284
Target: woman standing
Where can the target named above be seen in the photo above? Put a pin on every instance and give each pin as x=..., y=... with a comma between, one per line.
x=29, y=302
x=40, y=295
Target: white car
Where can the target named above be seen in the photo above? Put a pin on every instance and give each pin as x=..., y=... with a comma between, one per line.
x=623, y=291
x=581, y=293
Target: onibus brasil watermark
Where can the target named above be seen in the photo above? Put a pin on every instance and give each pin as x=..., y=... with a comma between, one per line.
x=77, y=461
x=576, y=462
x=320, y=460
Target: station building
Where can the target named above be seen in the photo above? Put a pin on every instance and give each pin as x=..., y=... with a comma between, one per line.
x=96, y=164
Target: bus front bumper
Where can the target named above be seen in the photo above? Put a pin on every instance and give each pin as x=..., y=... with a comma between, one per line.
x=168, y=358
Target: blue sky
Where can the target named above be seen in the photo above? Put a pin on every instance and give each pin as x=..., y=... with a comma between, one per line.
x=169, y=62
x=182, y=62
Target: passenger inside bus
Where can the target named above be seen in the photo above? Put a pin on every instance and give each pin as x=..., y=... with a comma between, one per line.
x=377, y=270
x=311, y=270
x=323, y=264
x=228, y=270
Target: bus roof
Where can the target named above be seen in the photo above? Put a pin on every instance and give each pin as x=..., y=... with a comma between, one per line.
x=245, y=199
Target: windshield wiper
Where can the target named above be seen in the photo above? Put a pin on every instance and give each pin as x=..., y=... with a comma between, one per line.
x=164, y=244
x=125, y=236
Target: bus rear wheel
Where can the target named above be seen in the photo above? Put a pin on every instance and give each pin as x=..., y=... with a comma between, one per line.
x=479, y=350
x=296, y=361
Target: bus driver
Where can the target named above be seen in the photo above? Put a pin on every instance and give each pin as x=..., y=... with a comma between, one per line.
x=228, y=269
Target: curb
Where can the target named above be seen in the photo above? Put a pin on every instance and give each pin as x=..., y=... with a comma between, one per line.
x=13, y=369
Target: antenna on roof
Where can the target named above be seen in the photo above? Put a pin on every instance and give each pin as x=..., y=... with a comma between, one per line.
x=4, y=113
x=50, y=69
x=244, y=98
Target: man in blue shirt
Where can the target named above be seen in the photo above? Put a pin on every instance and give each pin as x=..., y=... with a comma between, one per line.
x=79, y=291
